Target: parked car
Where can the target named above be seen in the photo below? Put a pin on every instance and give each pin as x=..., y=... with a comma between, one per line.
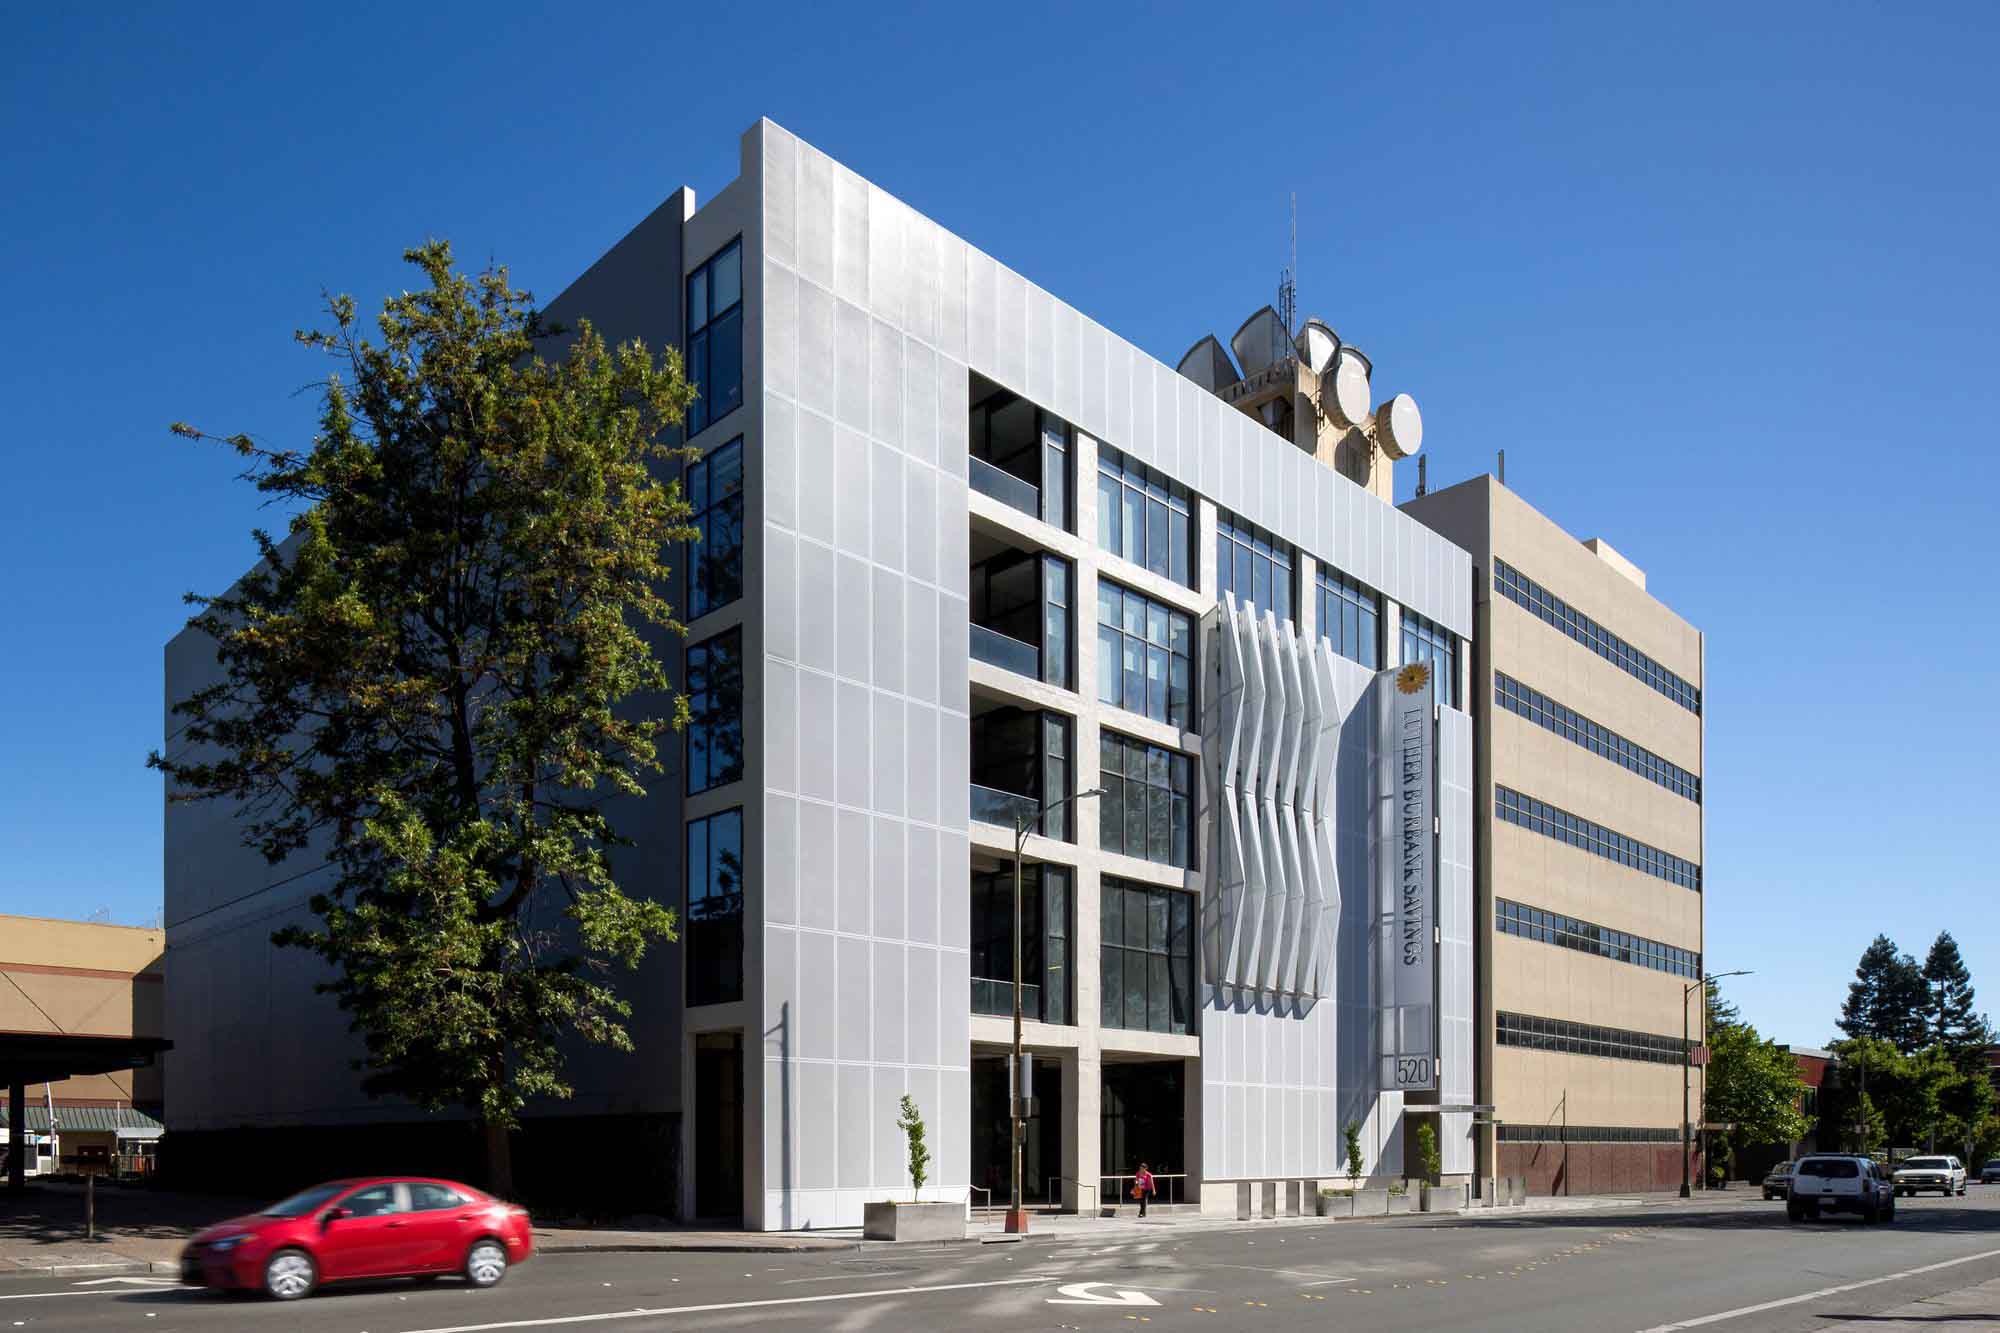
x=376, y=1227
x=1778, y=1182
x=1839, y=1183
x=1990, y=1172
x=1946, y=1175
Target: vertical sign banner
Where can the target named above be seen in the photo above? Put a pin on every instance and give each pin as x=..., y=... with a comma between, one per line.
x=1408, y=881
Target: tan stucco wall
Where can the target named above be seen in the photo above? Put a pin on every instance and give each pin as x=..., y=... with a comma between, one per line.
x=84, y=979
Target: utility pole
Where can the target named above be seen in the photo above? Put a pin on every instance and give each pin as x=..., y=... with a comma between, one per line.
x=1017, y=1216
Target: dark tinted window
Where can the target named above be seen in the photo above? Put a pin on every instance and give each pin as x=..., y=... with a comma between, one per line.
x=1829, y=1168
x=715, y=493
x=375, y=1201
x=305, y=1201
x=715, y=337
x=425, y=1196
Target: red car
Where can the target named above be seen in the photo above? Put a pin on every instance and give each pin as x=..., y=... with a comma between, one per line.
x=382, y=1226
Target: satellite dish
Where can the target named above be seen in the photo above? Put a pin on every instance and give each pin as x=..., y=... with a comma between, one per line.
x=1399, y=427
x=1257, y=344
x=1317, y=345
x=1344, y=395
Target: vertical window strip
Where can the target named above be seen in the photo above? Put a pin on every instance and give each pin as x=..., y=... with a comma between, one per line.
x=715, y=492
x=715, y=337
x=1350, y=617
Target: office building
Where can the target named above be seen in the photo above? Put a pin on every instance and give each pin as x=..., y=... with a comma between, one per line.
x=967, y=554
x=1587, y=705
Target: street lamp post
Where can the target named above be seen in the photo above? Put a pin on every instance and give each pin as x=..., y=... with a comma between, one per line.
x=1687, y=1064
x=1017, y=1216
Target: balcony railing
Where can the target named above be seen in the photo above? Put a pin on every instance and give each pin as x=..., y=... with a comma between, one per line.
x=997, y=998
x=1004, y=486
x=1006, y=652
x=1004, y=807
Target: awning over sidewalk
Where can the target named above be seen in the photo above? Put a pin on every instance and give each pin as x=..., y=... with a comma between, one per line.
x=123, y=1121
x=48, y=1057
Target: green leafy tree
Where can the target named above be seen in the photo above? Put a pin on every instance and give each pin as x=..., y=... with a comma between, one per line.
x=911, y=1122
x=1752, y=1084
x=442, y=684
x=1888, y=998
x=1353, y=1137
x=1954, y=1023
x=1428, y=1160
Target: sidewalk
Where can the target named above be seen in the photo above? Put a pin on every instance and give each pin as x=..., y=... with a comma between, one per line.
x=1972, y=1307
x=1075, y=1226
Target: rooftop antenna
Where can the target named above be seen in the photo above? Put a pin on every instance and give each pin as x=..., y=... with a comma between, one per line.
x=1423, y=473
x=1288, y=290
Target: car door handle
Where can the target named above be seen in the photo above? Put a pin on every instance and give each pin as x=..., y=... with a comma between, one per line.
x=395, y=1224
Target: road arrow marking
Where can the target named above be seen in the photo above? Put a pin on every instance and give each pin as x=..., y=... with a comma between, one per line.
x=1080, y=1293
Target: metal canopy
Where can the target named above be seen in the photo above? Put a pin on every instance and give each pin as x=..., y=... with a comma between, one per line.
x=49, y=1057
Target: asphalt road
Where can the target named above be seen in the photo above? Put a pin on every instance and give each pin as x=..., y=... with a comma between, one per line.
x=1650, y=1267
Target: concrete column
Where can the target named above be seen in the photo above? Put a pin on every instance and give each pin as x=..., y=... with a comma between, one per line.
x=1191, y=1128
x=17, y=1120
x=1085, y=1129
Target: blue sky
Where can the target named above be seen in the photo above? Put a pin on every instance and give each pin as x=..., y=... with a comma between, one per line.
x=1721, y=281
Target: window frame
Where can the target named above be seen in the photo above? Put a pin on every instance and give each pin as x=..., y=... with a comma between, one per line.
x=699, y=356
x=703, y=715
x=1260, y=552
x=700, y=474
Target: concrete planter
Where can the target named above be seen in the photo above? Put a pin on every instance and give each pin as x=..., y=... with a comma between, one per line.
x=1371, y=1203
x=1399, y=1203
x=913, y=1221
x=1333, y=1205
x=1442, y=1198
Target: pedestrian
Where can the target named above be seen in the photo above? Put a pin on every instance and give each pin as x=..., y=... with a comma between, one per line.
x=1142, y=1186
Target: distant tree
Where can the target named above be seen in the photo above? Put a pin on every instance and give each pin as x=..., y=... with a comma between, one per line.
x=1353, y=1137
x=1954, y=1024
x=437, y=683
x=1888, y=998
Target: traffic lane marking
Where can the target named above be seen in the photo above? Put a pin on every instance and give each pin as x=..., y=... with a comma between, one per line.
x=879, y=1293
x=1823, y=1293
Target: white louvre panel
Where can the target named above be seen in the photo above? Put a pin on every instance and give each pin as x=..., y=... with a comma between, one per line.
x=1272, y=724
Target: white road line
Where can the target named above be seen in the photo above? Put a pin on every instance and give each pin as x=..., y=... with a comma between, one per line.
x=878, y=1294
x=44, y=1295
x=1822, y=1294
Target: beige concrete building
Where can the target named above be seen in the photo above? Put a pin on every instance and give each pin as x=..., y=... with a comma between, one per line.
x=1588, y=849
x=74, y=995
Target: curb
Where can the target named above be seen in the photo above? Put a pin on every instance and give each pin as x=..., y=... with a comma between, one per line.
x=680, y=1247
x=123, y=1267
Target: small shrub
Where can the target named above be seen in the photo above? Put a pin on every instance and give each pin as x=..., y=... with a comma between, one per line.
x=1353, y=1134
x=911, y=1122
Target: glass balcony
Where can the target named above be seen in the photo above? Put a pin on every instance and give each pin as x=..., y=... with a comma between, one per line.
x=997, y=998
x=1004, y=486
x=1006, y=652
x=1003, y=807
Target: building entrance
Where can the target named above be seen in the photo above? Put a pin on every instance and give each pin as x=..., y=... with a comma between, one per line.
x=718, y=1125
x=1041, y=1152
x=1142, y=1120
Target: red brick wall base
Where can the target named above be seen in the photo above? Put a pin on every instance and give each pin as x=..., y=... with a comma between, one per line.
x=1596, y=1168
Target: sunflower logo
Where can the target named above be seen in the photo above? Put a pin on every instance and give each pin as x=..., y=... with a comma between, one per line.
x=1413, y=678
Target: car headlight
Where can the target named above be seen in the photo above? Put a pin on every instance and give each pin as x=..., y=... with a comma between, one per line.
x=230, y=1242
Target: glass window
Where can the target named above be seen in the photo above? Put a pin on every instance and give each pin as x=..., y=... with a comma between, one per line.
x=427, y=1196
x=715, y=711
x=1045, y=932
x=1143, y=517
x=715, y=337
x=1253, y=565
x=1531, y=596
x=1553, y=928
x=1146, y=971
x=1144, y=811
x=1526, y=701
x=1431, y=643
x=715, y=490
x=1350, y=617
x=1146, y=651
x=375, y=1201
x=714, y=942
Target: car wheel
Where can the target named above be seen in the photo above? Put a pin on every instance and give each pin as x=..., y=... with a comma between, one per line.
x=290, y=1274
x=486, y=1262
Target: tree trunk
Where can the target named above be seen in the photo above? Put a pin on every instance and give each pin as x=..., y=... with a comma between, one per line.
x=499, y=1162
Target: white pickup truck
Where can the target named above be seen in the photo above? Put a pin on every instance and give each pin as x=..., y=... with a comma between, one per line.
x=1830, y=1183
x=1946, y=1175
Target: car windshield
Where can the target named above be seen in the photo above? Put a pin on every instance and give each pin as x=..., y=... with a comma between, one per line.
x=1782, y=1169
x=1927, y=1164
x=1993, y=1165
x=304, y=1201
x=1829, y=1168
